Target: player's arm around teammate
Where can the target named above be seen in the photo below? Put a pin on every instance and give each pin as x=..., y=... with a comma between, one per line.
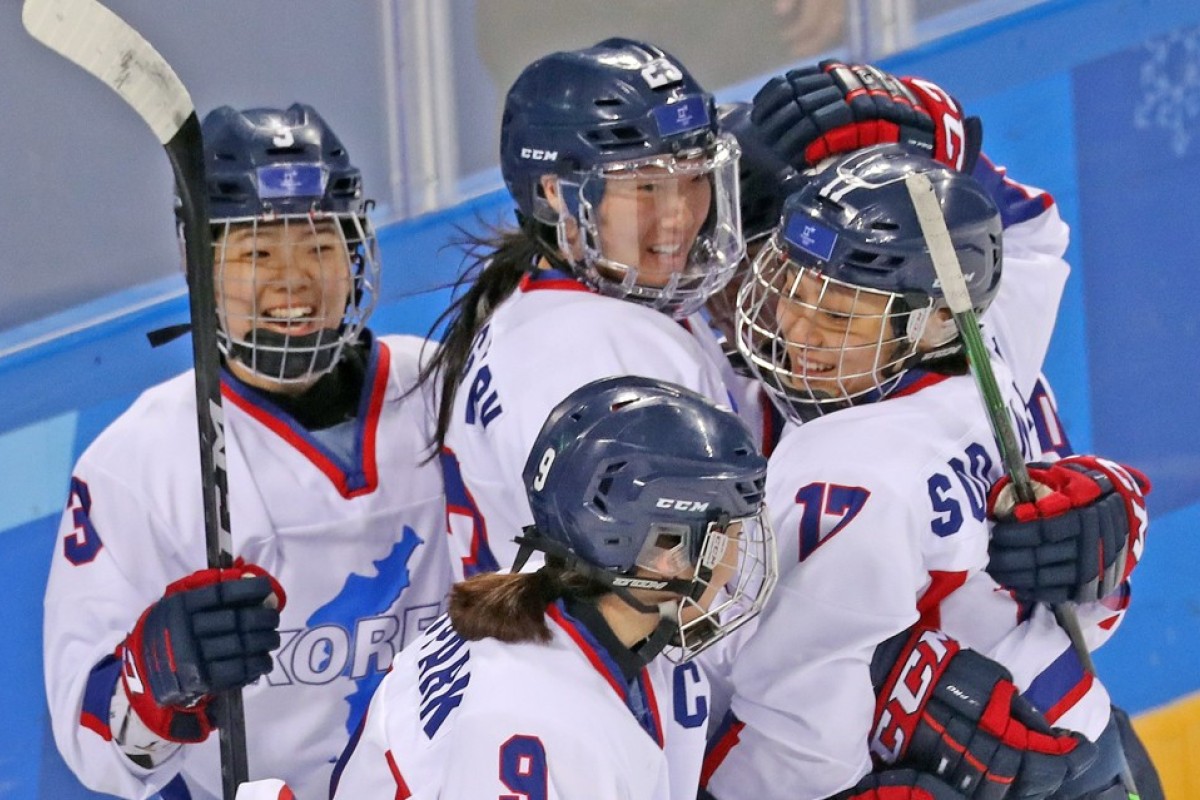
x=138, y=636
x=577, y=680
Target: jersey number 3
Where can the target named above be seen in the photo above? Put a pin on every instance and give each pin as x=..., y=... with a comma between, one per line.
x=83, y=543
x=523, y=768
x=826, y=508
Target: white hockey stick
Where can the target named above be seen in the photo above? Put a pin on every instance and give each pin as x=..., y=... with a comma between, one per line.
x=958, y=298
x=89, y=35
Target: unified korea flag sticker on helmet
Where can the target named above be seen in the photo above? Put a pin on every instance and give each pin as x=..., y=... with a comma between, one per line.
x=291, y=180
x=811, y=237
x=688, y=114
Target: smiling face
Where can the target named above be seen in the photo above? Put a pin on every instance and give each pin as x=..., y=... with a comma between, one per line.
x=282, y=293
x=818, y=343
x=649, y=220
x=836, y=336
x=662, y=231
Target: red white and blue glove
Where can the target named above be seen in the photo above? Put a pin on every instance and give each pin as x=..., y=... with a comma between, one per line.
x=1079, y=541
x=212, y=631
x=811, y=113
x=899, y=784
x=956, y=714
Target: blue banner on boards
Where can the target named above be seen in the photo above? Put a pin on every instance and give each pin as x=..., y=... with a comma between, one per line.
x=1137, y=128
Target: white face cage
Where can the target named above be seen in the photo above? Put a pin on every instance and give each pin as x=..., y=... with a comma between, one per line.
x=735, y=575
x=664, y=231
x=819, y=344
x=293, y=291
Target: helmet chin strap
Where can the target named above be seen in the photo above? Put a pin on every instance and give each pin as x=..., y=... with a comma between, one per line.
x=663, y=634
x=621, y=585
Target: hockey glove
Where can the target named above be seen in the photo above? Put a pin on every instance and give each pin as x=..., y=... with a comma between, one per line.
x=1081, y=538
x=957, y=139
x=811, y=113
x=957, y=714
x=899, y=784
x=210, y=632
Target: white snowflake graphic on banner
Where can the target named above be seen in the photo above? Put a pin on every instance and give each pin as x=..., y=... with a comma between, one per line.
x=1170, y=80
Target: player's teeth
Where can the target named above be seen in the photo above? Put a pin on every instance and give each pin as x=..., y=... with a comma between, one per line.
x=293, y=312
x=666, y=249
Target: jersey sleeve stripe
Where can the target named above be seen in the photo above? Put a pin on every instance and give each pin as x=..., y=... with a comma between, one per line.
x=1017, y=203
x=1058, y=687
x=941, y=585
x=97, y=696
x=460, y=502
x=402, y=790
x=723, y=740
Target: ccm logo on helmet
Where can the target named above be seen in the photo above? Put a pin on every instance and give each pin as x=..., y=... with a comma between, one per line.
x=534, y=154
x=680, y=505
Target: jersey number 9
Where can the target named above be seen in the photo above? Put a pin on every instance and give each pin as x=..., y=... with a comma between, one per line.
x=523, y=768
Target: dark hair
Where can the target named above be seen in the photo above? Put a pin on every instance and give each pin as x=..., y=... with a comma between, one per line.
x=512, y=608
x=495, y=265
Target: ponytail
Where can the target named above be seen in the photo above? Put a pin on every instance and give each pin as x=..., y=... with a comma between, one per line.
x=496, y=264
x=512, y=608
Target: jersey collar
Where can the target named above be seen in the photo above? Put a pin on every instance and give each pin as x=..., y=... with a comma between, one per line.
x=544, y=279
x=915, y=380
x=357, y=476
x=600, y=646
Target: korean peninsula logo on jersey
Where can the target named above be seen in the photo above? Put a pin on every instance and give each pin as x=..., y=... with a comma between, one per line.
x=812, y=238
x=291, y=180
x=358, y=632
x=688, y=114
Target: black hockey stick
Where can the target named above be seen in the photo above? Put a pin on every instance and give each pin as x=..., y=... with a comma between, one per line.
x=958, y=298
x=89, y=35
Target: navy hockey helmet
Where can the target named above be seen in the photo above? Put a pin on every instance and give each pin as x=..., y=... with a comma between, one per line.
x=764, y=179
x=615, y=115
x=265, y=161
x=297, y=267
x=849, y=251
x=630, y=474
x=854, y=220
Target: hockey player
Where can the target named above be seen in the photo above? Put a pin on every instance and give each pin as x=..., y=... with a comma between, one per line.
x=627, y=210
x=883, y=486
x=647, y=504
x=332, y=500
x=1049, y=554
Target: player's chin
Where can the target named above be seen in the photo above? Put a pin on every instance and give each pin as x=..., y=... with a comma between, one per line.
x=657, y=270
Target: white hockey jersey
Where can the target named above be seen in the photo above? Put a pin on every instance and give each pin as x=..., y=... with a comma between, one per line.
x=549, y=338
x=555, y=721
x=880, y=515
x=356, y=540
